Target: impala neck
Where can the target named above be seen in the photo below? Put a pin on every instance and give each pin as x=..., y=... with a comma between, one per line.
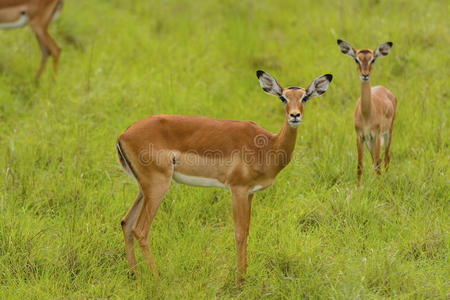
x=285, y=141
x=366, y=101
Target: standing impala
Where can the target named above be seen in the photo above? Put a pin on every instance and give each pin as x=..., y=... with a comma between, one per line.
x=238, y=156
x=38, y=14
x=375, y=108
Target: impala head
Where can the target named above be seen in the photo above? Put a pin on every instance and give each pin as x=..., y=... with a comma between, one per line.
x=294, y=98
x=364, y=58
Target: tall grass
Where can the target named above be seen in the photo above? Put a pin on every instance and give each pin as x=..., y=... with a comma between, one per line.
x=313, y=234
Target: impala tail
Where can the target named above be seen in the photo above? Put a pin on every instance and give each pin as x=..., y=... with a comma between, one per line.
x=124, y=161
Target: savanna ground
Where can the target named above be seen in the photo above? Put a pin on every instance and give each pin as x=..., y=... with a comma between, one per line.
x=313, y=233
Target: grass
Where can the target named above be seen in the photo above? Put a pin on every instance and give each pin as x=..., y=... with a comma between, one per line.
x=313, y=234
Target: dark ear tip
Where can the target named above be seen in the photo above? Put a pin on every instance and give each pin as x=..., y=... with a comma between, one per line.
x=259, y=73
x=339, y=41
x=329, y=77
x=390, y=44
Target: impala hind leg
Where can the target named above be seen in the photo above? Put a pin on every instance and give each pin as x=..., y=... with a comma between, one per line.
x=375, y=151
x=45, y=53
x=127, y=227
x=359, y=146
x=153, y=191
x=241, y=202
x=387, y=143
x=44, y=37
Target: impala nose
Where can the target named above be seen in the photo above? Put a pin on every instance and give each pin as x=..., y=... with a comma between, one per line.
x=295, y=116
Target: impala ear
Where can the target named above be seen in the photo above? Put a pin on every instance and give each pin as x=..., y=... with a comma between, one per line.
x=382, y=50
x=317, y=87
x=269, y=84
x=346, y=48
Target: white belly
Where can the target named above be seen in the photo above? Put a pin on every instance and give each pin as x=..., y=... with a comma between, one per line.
x=22, y=21
x=256, y=188
x=197, y=181
x=206, y=182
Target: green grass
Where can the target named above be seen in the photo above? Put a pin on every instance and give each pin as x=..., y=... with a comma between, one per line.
x=313, y=234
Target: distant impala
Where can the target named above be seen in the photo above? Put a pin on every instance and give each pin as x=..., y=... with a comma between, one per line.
x=375, y=108
x=238, y=156
x=38, y=14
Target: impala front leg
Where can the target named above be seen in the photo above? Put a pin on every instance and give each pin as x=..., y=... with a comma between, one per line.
x=241, y=205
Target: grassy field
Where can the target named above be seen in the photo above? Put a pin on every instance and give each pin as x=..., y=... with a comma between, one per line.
x=313, y=233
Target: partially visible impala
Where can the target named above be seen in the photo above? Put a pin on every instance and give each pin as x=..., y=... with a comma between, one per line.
x=38, y=14
x=238, y=156
x=375, y=108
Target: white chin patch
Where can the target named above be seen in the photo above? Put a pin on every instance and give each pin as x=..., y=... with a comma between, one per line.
x=294, y=124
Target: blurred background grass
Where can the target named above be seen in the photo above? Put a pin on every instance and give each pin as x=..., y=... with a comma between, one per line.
x=313, y=234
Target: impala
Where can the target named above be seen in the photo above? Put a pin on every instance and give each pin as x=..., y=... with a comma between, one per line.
x=38, y=14
x=238, y=156
x=375, y=109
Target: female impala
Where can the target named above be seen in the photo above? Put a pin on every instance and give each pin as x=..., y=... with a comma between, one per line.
x=38, y=14
x=375, y=108
x=238, y=156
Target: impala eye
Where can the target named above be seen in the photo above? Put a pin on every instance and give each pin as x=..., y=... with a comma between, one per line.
x=284, y=100
x=372, y=60
x=356, y=60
